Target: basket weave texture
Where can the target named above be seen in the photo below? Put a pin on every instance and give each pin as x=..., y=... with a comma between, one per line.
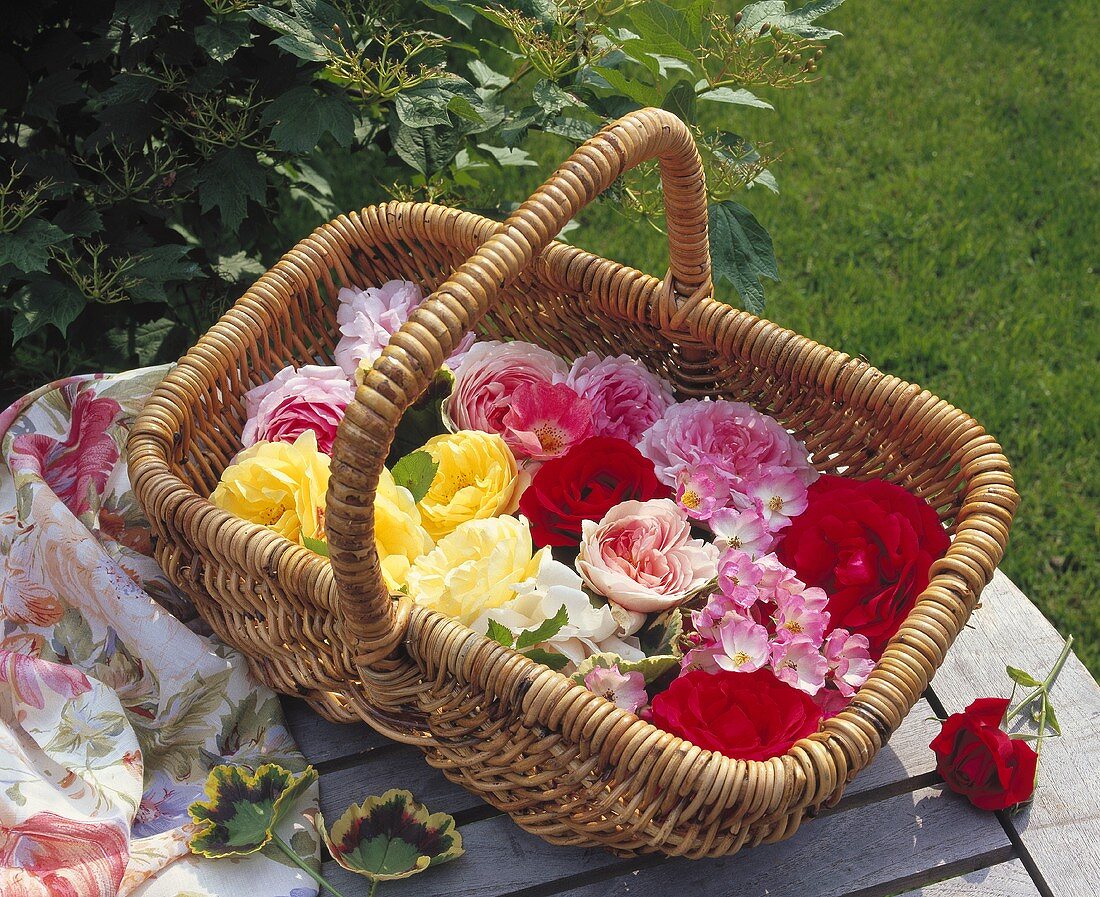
x=562, y=761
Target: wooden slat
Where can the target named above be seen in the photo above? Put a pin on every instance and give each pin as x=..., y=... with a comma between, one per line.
x=1009, y=879
x=902, y=837
x=325, y=742
x=1061, y=828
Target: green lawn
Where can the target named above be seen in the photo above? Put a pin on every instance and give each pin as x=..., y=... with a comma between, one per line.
x=938, y=216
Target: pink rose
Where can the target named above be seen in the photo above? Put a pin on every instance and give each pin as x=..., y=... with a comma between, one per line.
x=627, y=398
x=310, y=398
x=546, y=420
x=641, y=556
x=369, y=317
x=733, y=442
x=488, y=377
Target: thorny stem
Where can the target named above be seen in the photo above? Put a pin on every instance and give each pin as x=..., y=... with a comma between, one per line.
x=304, y=866
x=1045, y=685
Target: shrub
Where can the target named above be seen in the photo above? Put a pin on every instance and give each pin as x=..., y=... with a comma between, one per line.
x=148, y=145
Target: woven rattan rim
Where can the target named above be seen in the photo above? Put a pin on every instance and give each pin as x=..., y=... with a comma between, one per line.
x=397, y=646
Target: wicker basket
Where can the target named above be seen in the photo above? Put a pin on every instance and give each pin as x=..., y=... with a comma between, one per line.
x=563, y=762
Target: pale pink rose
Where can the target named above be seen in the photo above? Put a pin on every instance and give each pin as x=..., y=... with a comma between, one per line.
x=488, y=378
x=310, y=398
x=627, y=398
x=849, y=659
x=546, y=420
x=744, y=646
x=744, y=529
x=626, y=690
x=642, y=557
x=798, y=662
x=369, y=317
x=729, y=440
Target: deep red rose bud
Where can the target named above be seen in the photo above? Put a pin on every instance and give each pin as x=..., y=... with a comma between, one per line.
x=584, y=484
x=869, y=545
x=746, y=716
x=978, y=759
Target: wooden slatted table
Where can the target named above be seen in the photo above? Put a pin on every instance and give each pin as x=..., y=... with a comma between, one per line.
x=897, y=831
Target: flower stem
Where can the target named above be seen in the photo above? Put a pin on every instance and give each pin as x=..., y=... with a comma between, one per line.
x=373, y=887
x=304, y=866
x=1044, y=687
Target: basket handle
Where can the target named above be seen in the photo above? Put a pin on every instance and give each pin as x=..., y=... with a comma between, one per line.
x=435, y=327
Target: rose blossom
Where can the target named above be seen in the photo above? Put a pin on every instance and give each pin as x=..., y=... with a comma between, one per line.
x=746, y=716
x=744, y=646
x=488, y=378
x=797, y=661
x=369, y=317
x=869, y=545
x=728, y=440
x=626, y=396
x=310, y=398
x=626, y=690
x=802, y=614
x=588, y=630
x=744, y=530
x=546, y=420
x=849, y=660
x=641, y=556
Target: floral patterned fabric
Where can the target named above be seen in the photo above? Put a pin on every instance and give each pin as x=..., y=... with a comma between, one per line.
x=114, y=700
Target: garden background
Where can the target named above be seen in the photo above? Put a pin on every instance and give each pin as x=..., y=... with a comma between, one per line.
x=937, y=216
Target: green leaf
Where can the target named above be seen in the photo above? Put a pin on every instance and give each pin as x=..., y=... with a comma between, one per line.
x=129, y=87
x=391, y=836
x=547, y=629
x=157, y=266
x=680, y=101
x=484, y=75
x=142, y=15
x=500, y=634
x=798, y=21
x=302, y=116
x=661, y=636
x=556, y=662
x=154, y=342
x=308, y=32
x=229, y=180
x=1021, y=678
x=1052, y=720
x=638, y=91
x=415, y=472
x=54, y=92
x=243, y=808
x=79, y=219
x=739, y=97
x=424, y=418
x=428, y=150
x=45, y=302
x=223, y=37
x=741, y=252
x=651, y=668
x=460, y=12
x=239, y=266
x=507, y=157
x=28, y=249
x=317, y=546
x=666, y=30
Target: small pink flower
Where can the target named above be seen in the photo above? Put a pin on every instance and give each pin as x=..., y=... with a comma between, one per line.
x=744, y=646
x=488, y=378
x=626, y=690
x=701, y=493
x=777, y=577
x=831, y=702
x=781, y=498
x=736, y=570
x=849, y=659
x=802, y=613
x=742, y=529
x=368, y=318
x=798, y=662
x=310, y=398
x=546, y=420
x=731, y=440
x=642, y=557
x=626, y=396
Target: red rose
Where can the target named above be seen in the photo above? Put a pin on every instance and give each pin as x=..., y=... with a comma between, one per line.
x=584, y=484
x=869, y=546
x=977, y=759
x=746, y=716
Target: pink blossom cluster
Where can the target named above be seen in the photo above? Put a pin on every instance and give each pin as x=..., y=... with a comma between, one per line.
x=723, y=456
x=764, y=616
x=543, y=408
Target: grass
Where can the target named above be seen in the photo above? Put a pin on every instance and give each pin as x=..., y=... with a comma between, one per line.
x=938, y=216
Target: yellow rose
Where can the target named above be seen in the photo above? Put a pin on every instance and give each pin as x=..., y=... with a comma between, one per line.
x=398, y=532
x=281, y=485
x=475, y=568
x=477, y=478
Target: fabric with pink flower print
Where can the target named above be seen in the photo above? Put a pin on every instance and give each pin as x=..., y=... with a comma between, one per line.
x=106, y=675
